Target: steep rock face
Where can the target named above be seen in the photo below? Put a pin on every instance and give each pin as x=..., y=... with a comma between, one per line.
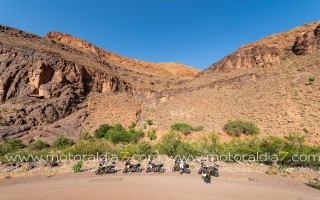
x=268, y=51
x=38, y=88
x=307, y=43
x=169, y=69
x=257, y=56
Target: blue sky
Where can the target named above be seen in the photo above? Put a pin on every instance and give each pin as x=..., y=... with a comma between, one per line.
x=194, y=32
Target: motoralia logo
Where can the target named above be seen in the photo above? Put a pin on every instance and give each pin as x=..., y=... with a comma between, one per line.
x=230, y=157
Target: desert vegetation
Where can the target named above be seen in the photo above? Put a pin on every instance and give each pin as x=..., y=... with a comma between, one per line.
x=185, y=128
x=116, y=139
x=238, y=127
x=118, y=134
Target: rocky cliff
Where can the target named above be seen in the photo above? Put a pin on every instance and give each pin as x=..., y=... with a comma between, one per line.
x=63, y=85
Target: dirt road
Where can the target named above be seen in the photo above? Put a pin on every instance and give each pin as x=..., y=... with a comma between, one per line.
x=157, y=186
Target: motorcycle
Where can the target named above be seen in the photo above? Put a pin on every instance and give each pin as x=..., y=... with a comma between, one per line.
x=154, y=168
x=212, y=169
x=132, y=168
x=102, y=169
x=181, y=167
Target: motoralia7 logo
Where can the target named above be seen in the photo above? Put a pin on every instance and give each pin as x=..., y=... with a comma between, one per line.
x=282, y=156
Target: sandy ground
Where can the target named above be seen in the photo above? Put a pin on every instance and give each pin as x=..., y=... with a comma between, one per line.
x=169, y=185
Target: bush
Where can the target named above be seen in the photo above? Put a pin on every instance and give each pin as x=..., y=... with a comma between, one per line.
x=272, y=145
x=130, y=150
x=210, y=144
x=132, y=125
x=118, y=133
x=88, y=148
x=197, y=128
x=62, y=142
x=86, y=136
x=102, y=131
x=150, y=122
x=295, y=140
x=77, y=166
x=181, y=127
x=11, y=146
x=312, y=79
x=169, y=143
x=238, y=127
x=145, y=148
x=152, y=134
x=187, y=150
x=38, y=145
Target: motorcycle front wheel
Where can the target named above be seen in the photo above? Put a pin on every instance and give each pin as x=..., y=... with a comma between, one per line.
x=215, y=174
x=161, y=170
x=98, y=172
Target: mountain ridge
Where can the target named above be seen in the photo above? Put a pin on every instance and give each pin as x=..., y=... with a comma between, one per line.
x=62, y=85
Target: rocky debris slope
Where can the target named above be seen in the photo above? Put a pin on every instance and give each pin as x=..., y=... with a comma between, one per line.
x=265, y=82
x=42, y=82
x=62, y=85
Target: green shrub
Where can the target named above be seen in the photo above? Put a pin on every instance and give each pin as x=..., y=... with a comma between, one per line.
x=272, y=145
x=118, y=133
x=149, y=122
x=188, y=150
x=9, y=146
x=197, y=128
x=152, y=134
x=77, y=166
x=132, y=125
x=130, y=149
x=210, y=144
x=243, y=147
x=296, y=140
x=182, y=127
x=135, y=135
x=88, y=148
x=145, y=148
x=169, y=143
x=86, y=136
x=102, y=131
x=238, y=127
x=62, y=142
x=312, y=79
x=38, y=145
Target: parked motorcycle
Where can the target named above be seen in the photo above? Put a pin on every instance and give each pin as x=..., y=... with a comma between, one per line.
x=181, y=166
x=132, y=168
x=212, y=169
x=154, y=168
x=103, y=169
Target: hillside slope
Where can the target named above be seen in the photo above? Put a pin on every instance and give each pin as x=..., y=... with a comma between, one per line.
x=266, y=82
x=62, y=85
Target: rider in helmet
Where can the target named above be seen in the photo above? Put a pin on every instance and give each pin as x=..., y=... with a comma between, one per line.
x=182, y=164
x=129, y=163
x=103, y=162
x=206, y=176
